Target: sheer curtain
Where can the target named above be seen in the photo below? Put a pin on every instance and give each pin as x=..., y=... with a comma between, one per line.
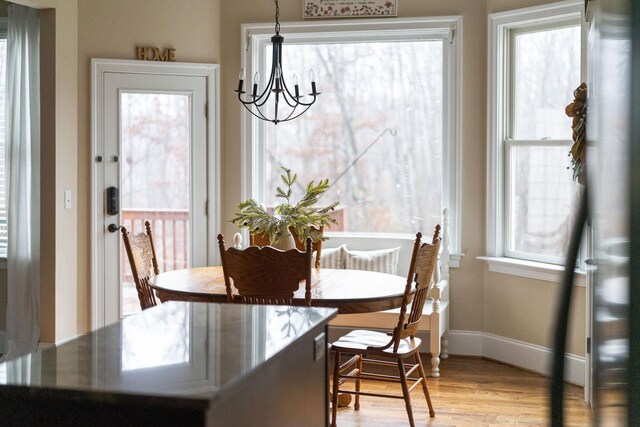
x=23, y=180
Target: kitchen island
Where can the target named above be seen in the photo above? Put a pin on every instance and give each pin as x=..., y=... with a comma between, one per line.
x=179, y=363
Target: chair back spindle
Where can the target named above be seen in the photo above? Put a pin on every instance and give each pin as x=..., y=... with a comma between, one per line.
x=143, y=262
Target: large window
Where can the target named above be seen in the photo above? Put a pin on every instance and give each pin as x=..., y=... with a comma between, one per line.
x=535, y=66
x=384, y=131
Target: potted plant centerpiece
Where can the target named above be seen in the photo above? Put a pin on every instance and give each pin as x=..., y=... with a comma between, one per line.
x=303, y=219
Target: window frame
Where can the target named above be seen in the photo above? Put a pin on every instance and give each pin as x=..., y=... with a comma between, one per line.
x=503, y=27
x=449, y=29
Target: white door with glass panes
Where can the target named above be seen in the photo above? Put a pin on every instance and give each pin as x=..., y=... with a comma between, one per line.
x=155, y=155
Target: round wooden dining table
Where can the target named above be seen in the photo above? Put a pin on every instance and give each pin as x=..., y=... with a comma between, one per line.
x=350, y=291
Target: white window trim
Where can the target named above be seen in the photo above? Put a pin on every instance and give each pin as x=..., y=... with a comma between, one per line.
x=450, y=28
x=531, y=269
x=499, y=26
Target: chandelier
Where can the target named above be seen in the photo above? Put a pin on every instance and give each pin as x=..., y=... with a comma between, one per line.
x=277, y=87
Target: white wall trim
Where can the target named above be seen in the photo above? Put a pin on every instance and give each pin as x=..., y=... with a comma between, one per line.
x=531, y=269
x=513, y=352
x=527, y=356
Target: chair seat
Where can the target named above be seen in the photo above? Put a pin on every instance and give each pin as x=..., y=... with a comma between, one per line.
x=359, y=340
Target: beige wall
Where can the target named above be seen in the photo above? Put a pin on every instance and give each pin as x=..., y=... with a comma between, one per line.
x=112, y=29
x=512, y=307
x=473, y=291
x=525, y=309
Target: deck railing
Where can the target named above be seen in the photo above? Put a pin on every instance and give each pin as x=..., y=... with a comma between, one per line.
x=170, y=230
x=171, y=235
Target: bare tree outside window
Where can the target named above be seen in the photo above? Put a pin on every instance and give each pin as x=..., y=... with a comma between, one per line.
x=546, y=70
x=376, y=132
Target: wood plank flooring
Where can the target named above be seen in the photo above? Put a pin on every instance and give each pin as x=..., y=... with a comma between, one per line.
x=470, y=392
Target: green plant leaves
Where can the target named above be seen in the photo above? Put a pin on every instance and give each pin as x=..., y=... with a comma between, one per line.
x=299, y=217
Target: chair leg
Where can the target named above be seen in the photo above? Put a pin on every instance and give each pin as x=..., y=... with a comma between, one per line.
x=405, y=392
x=425, y=388
x=336, y=385
x=356, y=405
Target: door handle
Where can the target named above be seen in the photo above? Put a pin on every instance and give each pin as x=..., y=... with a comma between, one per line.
x=113, y=228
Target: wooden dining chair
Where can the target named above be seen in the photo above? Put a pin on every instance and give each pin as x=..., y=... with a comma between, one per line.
x=143, y=261
x=265, y=275
x=366, y=347
x=263, y=240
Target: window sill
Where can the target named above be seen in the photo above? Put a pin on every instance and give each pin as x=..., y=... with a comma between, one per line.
x=531, y=270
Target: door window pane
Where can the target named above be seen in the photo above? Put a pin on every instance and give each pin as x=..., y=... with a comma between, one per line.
x=155, y=135
x=376, y=132
x=547, y=70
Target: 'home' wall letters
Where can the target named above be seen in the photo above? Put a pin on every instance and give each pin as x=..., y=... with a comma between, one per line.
x=155, y=54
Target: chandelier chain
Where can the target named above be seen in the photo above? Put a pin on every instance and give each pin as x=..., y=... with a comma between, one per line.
x=277, y=18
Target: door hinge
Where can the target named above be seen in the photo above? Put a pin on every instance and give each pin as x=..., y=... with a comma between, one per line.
x=248, y=42
x=206, y=208
x=206, y=110
x=588, y=345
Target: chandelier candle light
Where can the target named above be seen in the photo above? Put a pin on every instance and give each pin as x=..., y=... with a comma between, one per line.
x=276, y=86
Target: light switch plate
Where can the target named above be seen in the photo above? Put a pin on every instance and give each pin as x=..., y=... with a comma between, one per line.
x=320, y=346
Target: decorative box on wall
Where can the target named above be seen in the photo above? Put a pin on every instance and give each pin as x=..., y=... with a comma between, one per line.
x=349, y=8
x=435, y=315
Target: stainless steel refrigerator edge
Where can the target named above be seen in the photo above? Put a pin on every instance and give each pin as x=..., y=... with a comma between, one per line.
x=613, y=166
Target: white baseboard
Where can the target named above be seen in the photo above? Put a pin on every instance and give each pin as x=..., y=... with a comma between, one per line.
x=513, y=352
x=46, y=345
x=527, y=356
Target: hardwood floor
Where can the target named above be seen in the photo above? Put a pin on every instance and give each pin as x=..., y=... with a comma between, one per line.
x=470, y=392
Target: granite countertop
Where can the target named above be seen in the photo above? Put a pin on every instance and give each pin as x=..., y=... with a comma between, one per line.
x=196, y=351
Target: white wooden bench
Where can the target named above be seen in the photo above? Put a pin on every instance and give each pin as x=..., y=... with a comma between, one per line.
x=435, y=315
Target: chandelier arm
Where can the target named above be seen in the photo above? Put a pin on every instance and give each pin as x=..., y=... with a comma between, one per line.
x=289, y=98
x=298, y=102
x=258, y=101
x=287, y=118
x=266, y=94
x=260, y=115
x=261, y=99
x=297, y=115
